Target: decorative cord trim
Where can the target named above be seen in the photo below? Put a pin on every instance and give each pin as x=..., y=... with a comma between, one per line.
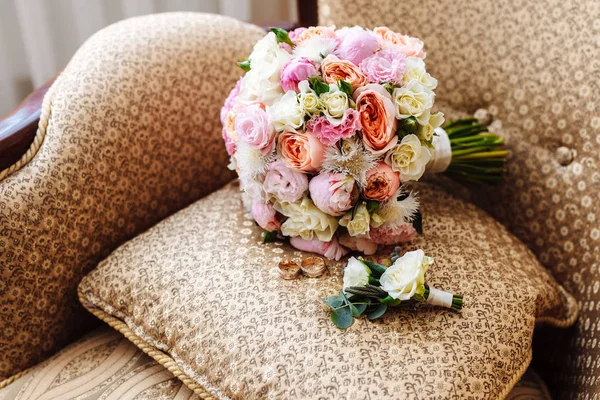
x=13, y=378
x=40, y=134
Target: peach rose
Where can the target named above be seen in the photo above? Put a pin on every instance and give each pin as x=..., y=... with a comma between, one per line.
x=377, y=117
x=313, y=31
x=409, y=46
x=382, y=183
x=301, y=151
x=335, y=70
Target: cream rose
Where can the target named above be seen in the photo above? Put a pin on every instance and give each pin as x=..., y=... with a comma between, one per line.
x=409, y=158
x=413, y=100
x=335, y=102
x=415, y=71
x=355, y=274
x=406, y=276
x=286, y=113
x=359, y=224
x=309, y=99
x=435, y=121
x=304, y=219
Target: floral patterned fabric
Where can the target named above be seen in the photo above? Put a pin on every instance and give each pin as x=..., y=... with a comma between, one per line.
x=134, y=135
x=201, y=287
x=534, y=65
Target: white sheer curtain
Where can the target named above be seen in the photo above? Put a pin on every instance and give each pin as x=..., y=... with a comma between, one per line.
x=38, y=37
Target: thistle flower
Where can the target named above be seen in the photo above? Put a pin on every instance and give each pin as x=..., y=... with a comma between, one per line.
x=250, y=161
x=400, y=210
x=350, y=158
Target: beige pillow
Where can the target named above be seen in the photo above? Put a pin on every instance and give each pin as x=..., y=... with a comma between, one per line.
x=202, y=295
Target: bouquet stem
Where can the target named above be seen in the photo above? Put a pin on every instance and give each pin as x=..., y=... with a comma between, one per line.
x=441, y=298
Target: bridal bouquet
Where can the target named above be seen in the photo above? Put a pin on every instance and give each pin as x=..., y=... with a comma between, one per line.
x=326, y=126
x=371, y=288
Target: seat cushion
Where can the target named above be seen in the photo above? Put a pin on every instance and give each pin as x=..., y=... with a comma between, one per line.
x=102, y=365
x=105, y=365
x=201, y=290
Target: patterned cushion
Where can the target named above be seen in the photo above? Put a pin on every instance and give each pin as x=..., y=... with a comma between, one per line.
x=201, y=290
x=133, y=136
x=534, y=65
x=102, y=365
x=105, y=365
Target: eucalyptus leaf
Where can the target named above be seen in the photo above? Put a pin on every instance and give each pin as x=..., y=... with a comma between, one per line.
x=342, y=318
x=360, y=308
x=377, y=311
x=334, y=301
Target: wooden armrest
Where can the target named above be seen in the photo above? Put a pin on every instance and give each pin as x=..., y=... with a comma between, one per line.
x=18, y=129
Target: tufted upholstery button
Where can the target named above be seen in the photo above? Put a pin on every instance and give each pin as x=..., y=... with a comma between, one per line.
x=564, y=155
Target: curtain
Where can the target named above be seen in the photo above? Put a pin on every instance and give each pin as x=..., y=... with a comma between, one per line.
x=38, y=37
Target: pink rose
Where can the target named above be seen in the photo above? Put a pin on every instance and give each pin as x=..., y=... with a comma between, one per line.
x=409, y=46
x=377, y=118
x=332, y=249
x=333, y=193
x=302, y=151
x=264, y=214
x=384, y=66
x=382, y=183
x=252, y=125
x=285, y=183
x=230, y=101
x=330, y=134
x=362, y=244
x=296, y=70
x=356, y=44
x=392, y=233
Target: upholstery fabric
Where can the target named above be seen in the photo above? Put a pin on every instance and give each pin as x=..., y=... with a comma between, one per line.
x=201, y=287
x=104, y=365
x=535, y=66
x=134, y=135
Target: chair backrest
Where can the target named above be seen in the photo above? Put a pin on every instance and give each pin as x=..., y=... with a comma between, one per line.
x=536, y=66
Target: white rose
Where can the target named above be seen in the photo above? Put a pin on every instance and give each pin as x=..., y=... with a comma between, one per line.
x=409, y=158
x=415, y=70
x=267, y=57
x=309, y=99
x=304, y=219
x=435, y=121
x=335, y=102
x=355, y=274
x=406, y=276
x=287, y=112
x=359, y=224
x=258, y=89
x=413, y=100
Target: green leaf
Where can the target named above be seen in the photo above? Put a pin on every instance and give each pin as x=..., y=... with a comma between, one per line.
x=282, y=36
x=345, y=87
x=360, y=309
x=245, y=65
x=407, y=127
x=317, y=84
x=389, y=87
x=269, y=237
x=390, y=301
x=377, y=311
x=376, y=269
x=354, y=310
x=342, y=318
x=372, y=206
x=417, y=222
x=334, y=301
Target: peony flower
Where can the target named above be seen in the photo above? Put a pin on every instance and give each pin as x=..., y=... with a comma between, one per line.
x=435, y=121
x=382, y=183
x=294, y=34
x=384, y=66
x=284, y=183
x=264, y=214
x=231, y=100
x=252, y=126
x=377, y=119
x=332, y=249
x=335, y=70
x=413, y=100
x=315, y=48
x=304, y=219
x=286, y=113
x=312, y=32
x=415, y=71
x=409, y=46
x=406, y=276
x=364, y=245
x=393, y=232
x=302, y=151
x=333, y=193
x=330, y=134
x=309, y=99
x=335, y=103
x=409, y=158
x=356, y=44
x=355, y=274
x=296, y=70
x=357, y=224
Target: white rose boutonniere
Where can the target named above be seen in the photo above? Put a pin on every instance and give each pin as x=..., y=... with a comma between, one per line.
x=406, y=277
x=356, y=274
